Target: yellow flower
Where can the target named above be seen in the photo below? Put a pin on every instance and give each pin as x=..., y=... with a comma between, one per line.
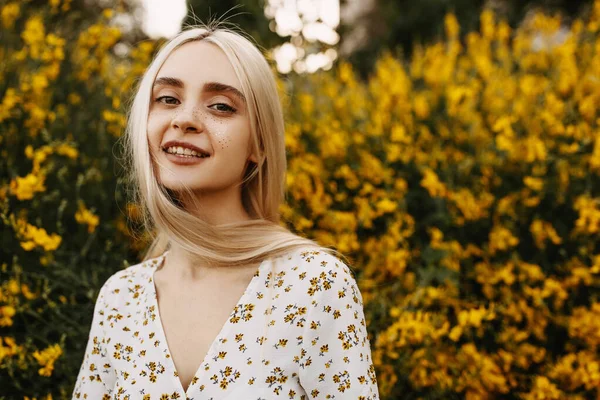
x=595, y=156
x=455, y=333
x=386, y=206
x=29, y=151
x=25, y=188
x=534, y=150
x=474, y=317
x=32, y=237
x=501, y=239
x=85, y=216
x=39, y=83
x=335, y=146
x=11, y=349
x=396, y=262
x=9, y=14
x=472, y=208
x=65, y=150
x=46, y=259
x=577, y=370
x=307, y=104
x=544, y=389
x=74, y=98
x=13, y=286
x=503, y=31
x=542, y=231
x=421, y=105
x=108, y=13
x=46, y=359
x=6, y=314
x=589, y=215
x=432, y=183
x=451, y=25
x=533, y=183
x=398, y=134
x=487, y=24
x=584, y=324
x=27, y=293
x=8, y=103
x=34, y=35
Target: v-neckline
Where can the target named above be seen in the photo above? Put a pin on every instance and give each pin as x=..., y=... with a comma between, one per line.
x=214, y=346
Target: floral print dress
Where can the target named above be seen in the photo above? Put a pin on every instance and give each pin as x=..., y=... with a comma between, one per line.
x=297, y=332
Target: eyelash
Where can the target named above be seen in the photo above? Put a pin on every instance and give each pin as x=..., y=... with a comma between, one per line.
x=229, y=108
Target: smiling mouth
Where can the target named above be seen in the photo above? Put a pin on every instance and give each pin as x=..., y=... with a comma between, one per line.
x=183, y=155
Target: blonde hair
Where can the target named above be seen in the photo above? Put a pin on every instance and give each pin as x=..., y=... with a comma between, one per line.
x=263, y=186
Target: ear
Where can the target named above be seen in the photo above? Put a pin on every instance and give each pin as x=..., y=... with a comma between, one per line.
x=253, y=158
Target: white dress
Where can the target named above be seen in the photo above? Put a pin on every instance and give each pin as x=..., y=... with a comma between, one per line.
x=297, y=332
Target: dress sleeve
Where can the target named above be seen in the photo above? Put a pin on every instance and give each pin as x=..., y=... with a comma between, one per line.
x=337, y=363
x=96, y=376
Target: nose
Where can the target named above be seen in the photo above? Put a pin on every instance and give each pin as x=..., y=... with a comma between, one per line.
x=188, y=119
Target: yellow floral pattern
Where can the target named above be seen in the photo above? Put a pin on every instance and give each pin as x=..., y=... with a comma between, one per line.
x=297, y=332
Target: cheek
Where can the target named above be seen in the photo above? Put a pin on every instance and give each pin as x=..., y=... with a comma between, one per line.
x=156, y=119
x=222, y=131
x=157, y=122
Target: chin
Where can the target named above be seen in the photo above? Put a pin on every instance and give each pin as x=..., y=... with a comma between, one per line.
x=178, y=187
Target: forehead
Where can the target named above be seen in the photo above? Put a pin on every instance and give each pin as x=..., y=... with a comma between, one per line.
x=198, y=62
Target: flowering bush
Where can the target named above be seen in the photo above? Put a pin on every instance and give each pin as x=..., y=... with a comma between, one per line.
x=63, y=223
x=462, y=183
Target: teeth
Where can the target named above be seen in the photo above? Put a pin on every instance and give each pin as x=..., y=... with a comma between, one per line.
x=184, y=152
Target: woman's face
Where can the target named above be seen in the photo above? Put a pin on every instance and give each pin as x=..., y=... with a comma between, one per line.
x=197, y=100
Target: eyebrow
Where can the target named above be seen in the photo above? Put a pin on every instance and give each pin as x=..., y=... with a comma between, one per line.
x=207, y=87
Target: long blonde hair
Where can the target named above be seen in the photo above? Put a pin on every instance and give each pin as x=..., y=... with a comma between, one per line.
x=263, y=186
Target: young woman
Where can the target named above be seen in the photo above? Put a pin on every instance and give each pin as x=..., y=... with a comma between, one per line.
x=227, y=304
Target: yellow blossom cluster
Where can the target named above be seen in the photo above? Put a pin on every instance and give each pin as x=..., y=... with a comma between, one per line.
x=87, y=217
x=24, y=188
x=542, y=231
x=9, y=13
x=584, y=325
x=8, y=349
x=10, y=100
x=46, y=358
x=10, y=292
x=6, y=314
x=59, y=6
x=32, y=237
x=47, y=52
x=92, y=51
x=589, y=215
x=577, y=371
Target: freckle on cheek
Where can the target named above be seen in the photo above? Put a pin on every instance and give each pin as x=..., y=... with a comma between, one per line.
x=218, y=129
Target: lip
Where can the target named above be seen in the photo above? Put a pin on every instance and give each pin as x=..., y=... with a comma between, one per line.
x=177, y=143
x=175, y=159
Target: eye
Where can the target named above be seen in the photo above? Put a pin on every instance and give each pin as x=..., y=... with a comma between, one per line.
x=158, y=99
x=222, y=107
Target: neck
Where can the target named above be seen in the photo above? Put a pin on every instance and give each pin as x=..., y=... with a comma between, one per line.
x=182, y=268
x=218, y=208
